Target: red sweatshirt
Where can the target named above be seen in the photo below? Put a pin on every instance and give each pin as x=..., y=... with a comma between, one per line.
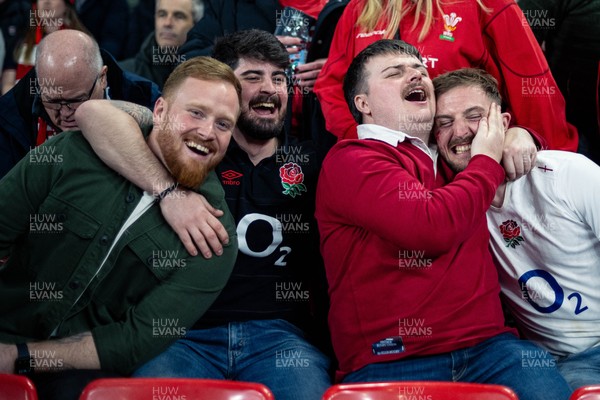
x=310, y=7
x=500, y=42
x=405, y=257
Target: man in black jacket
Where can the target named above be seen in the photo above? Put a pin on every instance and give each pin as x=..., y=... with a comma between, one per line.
x=158, y=56
x=70, y=69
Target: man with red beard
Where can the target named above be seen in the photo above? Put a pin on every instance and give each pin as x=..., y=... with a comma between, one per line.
x=260, y=328
x=95, y=278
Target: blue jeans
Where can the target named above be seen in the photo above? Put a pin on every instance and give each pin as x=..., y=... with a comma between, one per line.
x=502, y=360
x=271, y=352
x=581, y=369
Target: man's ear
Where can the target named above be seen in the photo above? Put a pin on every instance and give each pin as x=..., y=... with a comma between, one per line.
x=362, y=104
x=104, y=77
x=159, y=111
x=505, y=120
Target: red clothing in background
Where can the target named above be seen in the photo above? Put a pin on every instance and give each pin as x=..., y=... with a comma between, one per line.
x=310, y=7
x=500, y=42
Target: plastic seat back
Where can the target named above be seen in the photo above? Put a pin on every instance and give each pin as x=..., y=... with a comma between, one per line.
x=16, y=387
x=586, y=393
x=174, y=389
x=419, y=391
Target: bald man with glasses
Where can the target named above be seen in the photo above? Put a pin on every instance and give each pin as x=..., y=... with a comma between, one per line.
x=70, y=104
x=69, y=70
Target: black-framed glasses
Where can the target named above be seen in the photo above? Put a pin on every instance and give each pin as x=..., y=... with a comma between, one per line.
x=71, y=104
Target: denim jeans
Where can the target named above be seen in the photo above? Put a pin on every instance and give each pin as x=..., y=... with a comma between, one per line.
x=502, y=360
x=581, y=369
x=271, y=352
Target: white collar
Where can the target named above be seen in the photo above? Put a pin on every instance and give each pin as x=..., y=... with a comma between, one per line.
x=392, y=137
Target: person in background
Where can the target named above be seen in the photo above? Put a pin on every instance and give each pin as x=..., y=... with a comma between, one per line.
x=107, y=21
x=158, y=55
x=569, y=33
x=2, y=48
x=46, y=16
x=141, y=24
x=545, y=231
x=70, y=69
x=14, y=19
x=487, y=34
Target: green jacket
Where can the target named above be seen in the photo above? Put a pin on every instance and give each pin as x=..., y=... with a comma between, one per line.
x=60, y=209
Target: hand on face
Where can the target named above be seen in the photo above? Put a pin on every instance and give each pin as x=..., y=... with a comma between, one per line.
x=518, y=157
x=489, y=139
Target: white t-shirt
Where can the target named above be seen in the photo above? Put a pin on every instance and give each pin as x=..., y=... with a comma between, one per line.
x=549, y=255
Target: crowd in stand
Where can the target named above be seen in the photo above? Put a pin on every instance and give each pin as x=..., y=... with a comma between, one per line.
x=193, y=188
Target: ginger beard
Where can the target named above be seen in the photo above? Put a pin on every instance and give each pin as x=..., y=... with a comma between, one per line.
x=188, y=170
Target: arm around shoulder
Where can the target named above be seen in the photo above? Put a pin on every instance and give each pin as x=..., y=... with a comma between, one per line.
x=372, y=190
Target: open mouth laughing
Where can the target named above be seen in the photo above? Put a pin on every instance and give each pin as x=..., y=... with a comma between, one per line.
x=460, y=146
x=415, y=93
x=197, y=148
x=460, y=149
x=265, y=106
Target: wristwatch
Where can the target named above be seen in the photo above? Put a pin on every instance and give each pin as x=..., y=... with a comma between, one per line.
x=23, y=364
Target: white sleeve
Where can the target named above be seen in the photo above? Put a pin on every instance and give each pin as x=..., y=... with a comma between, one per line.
x=579, y=186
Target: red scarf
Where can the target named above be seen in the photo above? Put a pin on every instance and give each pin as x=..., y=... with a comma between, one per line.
x=44, y=132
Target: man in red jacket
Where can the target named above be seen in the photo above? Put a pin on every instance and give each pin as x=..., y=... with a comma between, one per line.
x=414, y=292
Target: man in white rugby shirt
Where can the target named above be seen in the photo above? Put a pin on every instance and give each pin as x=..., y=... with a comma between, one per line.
x=545, y=232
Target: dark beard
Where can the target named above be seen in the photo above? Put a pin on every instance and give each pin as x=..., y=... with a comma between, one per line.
x=258, y=129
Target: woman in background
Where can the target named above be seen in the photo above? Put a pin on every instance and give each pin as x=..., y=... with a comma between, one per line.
x=46, y=16
x=489, y=34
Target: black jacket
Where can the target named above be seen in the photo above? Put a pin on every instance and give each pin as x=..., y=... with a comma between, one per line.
x=14, y=20
x=107, y=21
x=151, y=63
x=20, y=109
x=570, y=31
x=228, y=16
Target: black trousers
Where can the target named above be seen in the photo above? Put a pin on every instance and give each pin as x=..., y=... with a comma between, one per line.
x=66, y=385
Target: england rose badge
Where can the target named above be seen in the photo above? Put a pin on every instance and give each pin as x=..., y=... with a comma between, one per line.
x=292, y=179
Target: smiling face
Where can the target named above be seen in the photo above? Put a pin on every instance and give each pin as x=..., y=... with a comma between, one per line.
x=459, y=111
x=264, y=98
x=399, y=95
x=192, y=131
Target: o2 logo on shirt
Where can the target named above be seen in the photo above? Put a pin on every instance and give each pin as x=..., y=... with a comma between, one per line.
x=277, y=230
x=535, y=292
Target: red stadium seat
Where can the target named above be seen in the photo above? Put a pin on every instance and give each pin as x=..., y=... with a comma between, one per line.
x=586, y=393
x=173, y=388
x=419, y=390
x=16, y=387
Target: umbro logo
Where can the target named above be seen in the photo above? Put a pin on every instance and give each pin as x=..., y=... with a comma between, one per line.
x=230, y=176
